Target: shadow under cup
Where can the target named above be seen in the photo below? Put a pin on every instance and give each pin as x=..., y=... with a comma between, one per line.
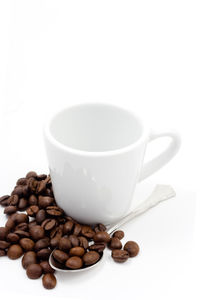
x=95, y=155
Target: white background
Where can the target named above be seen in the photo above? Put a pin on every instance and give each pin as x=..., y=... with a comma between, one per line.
x=143, y=55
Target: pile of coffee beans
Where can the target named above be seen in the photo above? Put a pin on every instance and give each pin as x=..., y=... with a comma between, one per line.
x=37, y=227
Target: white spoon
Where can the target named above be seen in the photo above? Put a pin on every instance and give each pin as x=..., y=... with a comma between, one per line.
x=159, y=194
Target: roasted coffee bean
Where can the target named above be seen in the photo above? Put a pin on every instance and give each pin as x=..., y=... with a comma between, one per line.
x=97, y=247
x=44, y=253
x=43, y=243
x=114, y=243
x=132, y=248
x=57, y=232
x=18, y=190
x=118, y=234
x=10, y=209
x=28, y=259
x=10, y=224
x=40, y=216
x=74, y=240
x=60, y=256
x=4, y=245
x=76, y=251
x=45, y=201
x=54, y=242
x=32, y=185
x=4, y=200
x=22, y=234
x=49, y=224
x=48, y=192
x=21, y=218
x=41, y=187
x=3, y=233
x=101, y=236
x=46, y=267
x=77, y=229
x=13, y=200
x=22, y=226
x=13, y=216
x=49, y=281
x=21, y=181
x=27, y=244
x=74, y=262
x=54, y=211
x=37, y=232
x=41, y=177
x=32, y=210
x=32, y=223
x=22, y=204
x=14, y=251
x=90, y=258
x=32, y=200
x=2, y=252
x=12, y=238
x=99, y=227
x=31, y=174
x=64, y=244
x=120, y=255
x=87, y=231
x=34, y=271
x=68, y=226
x=83, y=242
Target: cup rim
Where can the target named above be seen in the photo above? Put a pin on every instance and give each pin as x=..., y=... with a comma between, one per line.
x=48, y=135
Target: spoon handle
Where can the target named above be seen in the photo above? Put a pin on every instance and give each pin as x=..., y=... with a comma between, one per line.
x=159, y=194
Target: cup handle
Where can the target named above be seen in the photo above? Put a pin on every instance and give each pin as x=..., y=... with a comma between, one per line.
x=162, y=159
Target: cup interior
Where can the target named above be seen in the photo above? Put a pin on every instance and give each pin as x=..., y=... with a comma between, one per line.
x=95, y=127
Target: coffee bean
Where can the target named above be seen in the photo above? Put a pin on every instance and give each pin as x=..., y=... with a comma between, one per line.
x=13, y=200
x=97, y=247
x=10, y=224
x=49, y=281
x=32, y=200
x=46, y=267
x=60, y=256
x=40, y=216
x=74, y=262
x=54, y=242
x=27, y=244
x=37, y=232
x=31, y=174
x=41, y=187
x=41, y=177
x=32, y=223
x=101, y=236
x=3, y=233
x=120, y=255
x=77, y=229
x=4, y=200
x=132, y=248
x=68, y=226
x=21, y=218
x=64, y=244
x=76, y=251
x=57, y=232
x=21, y=181
x=42, y=243
x=74, y=240
x=34, y=271
x=22, y=226
x=43, y=254
x=45, y=201
x=22, y=234
x=99, y=227
x=90, y=258
x=28, y=259
x=2, y=252
x=54, y=211
x=10, y=209
x=19, y=190
x=12, y=238
x=87, y=232
x=49, y=224
x=32, y=210
x=4, y=245
x=118, y=234
x=115, y=243
x=14, y=251
x=32, y=185
x=83, y=242
x=22, y=204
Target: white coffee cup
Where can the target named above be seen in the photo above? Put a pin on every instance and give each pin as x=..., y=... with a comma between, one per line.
x=95, y=154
